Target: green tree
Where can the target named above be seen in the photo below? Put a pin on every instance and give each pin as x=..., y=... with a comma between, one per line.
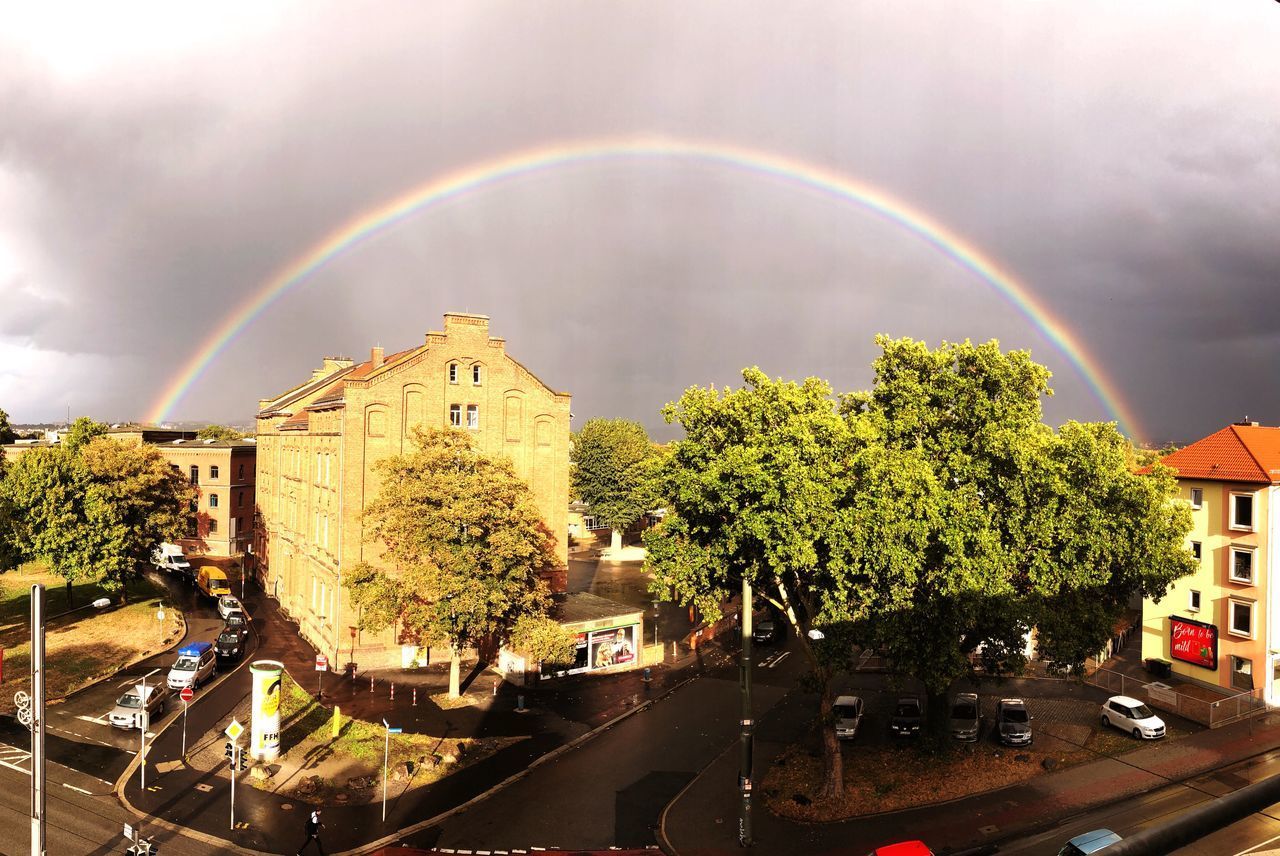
x=543, y=639
x=1006, y=526
x=465, y=544
x=92, y=509
x=754, y=492
x=7, y=434
x=219, y=433
x=611, y=472
x=81, y=432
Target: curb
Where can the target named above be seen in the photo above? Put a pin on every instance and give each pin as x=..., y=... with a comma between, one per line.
x=389, y=839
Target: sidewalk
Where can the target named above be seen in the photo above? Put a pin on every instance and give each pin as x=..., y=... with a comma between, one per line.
x=703, y=820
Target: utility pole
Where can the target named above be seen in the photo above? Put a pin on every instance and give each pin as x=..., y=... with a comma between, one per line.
x=744, y=767
x=37, y=721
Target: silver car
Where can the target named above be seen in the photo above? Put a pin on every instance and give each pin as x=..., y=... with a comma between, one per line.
x=128, y=710
x=966, y=716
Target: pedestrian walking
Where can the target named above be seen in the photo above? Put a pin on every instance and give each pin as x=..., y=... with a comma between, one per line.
x=313, y=832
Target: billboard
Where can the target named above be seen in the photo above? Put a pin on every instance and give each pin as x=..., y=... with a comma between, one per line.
x=1193, y=642
x=264, y=735
x=613, y=647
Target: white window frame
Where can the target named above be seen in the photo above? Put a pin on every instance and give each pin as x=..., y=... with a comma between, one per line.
x=473, y=417
x=1253, y=513
x=213, y=472
x=1231, y=567
x=1197, y=498
x=1193, y=601
x=455, y=415
x=213, y=500
x=1232, y=603
x=328, y=468
x=475, y=374
x=453, y=372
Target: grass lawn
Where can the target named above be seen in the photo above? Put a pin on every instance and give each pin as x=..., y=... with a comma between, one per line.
x=82, y=647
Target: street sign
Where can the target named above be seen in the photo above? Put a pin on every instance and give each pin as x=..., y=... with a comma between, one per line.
x=234, y=730
x=394, y=730
x=128, y=832
x=322, y=663
x=186, y=695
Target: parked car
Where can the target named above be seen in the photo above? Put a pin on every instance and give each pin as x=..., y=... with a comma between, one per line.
x=1131, y=715
x=848, y=715
x=169, y=557
x=766, y=632
x=1090, y=842
x=229, y=645
x=128, y=710
x=196, y=664
x=908, y=716
x=903, y=848
x=966, y=716
x=1013, y=722
x=228, y=604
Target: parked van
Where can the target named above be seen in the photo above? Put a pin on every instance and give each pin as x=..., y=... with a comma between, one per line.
x=212, y=581
x=169, y=557
x=196, y=664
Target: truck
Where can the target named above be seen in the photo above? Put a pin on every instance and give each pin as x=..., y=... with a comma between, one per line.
x=169, y=557
x=212, y=581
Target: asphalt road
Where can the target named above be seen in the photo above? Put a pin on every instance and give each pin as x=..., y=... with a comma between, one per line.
x=610, y=790
x=1258, y=833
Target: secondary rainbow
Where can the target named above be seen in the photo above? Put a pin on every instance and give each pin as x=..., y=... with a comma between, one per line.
x=791, y=171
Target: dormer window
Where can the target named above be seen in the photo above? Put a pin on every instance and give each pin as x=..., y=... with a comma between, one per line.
x=453, y=372
x=1242, y=511
x=475, y=375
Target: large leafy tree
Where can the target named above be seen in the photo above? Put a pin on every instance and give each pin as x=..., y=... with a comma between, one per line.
x=612, y=468
x=92, y=509
x=7, y=434
x=934, y=518
x=220, y=433
x=465, y=548
x=754, y=492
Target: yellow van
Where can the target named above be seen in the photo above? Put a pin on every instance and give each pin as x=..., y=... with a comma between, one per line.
x=212, y=581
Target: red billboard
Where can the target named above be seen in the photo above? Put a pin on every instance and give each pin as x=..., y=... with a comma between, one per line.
x=1193, y=642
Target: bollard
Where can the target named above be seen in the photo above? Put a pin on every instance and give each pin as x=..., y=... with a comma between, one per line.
x=393, y=691
x=519, y=704
x=415, y=696
x=337, y=720
x=647, y=678
x=371, y=683
x=495, y=689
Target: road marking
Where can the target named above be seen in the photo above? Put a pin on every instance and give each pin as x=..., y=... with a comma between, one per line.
x=96, y=720
x=784, y=655
x=1254, y=847
x=78, y=790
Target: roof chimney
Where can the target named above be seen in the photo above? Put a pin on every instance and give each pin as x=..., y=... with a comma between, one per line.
x=377, y=356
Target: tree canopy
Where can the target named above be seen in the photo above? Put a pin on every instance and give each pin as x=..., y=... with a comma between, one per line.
x=612, y=470
x=92, y=508
x=7, y=434
x=465, y=548
x=934, y=518
x=220, y=433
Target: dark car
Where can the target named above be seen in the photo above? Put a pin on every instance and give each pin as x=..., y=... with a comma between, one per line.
x=966, y=716
x=1013, y=722
x=230, y=644
x=908, y=716
x=766, y=632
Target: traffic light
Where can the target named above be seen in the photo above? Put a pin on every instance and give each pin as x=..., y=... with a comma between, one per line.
x=230, y=750
x=244, y=761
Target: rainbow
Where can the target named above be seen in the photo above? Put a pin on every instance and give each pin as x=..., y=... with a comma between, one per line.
x=492, y=172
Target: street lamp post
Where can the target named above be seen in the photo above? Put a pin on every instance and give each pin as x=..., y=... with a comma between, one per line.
x=37, y=712
x=144, y=720
x=746, y=737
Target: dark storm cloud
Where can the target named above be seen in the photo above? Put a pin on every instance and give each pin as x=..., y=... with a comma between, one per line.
x=1120, y=160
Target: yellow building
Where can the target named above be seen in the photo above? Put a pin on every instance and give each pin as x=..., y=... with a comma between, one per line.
x=317, y=444
x=221, y=518
x=1216, y=625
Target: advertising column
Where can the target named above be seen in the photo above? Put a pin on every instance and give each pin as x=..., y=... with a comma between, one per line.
x=264, y=736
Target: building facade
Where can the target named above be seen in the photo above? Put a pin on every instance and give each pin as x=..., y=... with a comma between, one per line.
x=318, y=442
x=221, y=519
x=1218, y=625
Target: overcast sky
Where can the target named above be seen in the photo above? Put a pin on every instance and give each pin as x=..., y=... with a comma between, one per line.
x=1121, y=159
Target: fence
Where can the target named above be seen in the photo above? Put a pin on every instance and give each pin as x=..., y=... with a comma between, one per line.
x=1211, y=712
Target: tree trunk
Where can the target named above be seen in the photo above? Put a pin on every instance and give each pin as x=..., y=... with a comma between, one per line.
x=124, y=592
x=70, y=595
x=615, y=540
x=937, y=717
x=455, y=670
x=833, y=787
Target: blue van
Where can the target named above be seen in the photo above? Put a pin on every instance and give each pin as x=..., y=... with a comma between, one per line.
x=1090, y=842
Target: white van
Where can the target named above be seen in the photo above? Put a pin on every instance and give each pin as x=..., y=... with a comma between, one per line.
x=169, y=557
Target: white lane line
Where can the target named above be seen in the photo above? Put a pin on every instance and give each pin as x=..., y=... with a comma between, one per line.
x=96, y=720
x=15, y=767
x=1254, y=847
x=78, y=790
x=784, y=655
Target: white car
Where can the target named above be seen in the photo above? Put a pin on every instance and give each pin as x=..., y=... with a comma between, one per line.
x=227, y=605
x=848, y=715
x=1131, y=715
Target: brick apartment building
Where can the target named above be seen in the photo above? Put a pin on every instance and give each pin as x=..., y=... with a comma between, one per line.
x=318, y=441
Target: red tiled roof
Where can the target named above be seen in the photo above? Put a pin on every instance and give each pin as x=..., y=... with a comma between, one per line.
x=1240, y=453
